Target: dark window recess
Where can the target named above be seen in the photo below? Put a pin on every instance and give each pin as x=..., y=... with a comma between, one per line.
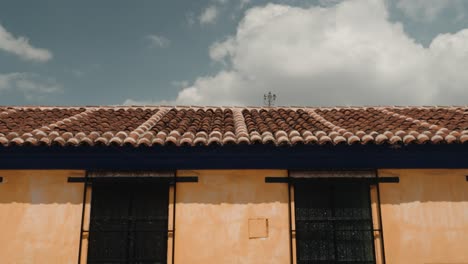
x=334, y=223
x=128, y=223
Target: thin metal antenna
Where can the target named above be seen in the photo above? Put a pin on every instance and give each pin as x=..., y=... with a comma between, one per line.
x=269, y=99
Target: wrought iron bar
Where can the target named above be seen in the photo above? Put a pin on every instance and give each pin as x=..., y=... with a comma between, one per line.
x=128, y=223
x=82, y=231
x=331, y=236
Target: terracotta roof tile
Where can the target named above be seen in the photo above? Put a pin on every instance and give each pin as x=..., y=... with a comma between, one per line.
x=21, y=121
x=192, y=126
x=108, y=120
x=453, y=118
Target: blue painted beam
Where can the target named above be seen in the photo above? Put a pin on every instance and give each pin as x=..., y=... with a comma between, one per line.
x=301, y=157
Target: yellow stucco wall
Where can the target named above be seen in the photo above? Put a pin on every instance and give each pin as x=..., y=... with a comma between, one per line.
x=40, y=216
x=220, y=219
x=425, y=216
x=212, y=218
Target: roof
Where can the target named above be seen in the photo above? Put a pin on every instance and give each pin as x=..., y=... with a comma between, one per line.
x=193, y=126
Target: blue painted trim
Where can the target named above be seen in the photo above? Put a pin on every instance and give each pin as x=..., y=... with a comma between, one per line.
x=301, y=157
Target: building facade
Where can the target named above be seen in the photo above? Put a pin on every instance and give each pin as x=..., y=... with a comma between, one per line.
x=233, y=185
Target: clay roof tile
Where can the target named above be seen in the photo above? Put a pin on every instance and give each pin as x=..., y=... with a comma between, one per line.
x=367, y=138
x=464, y=138
x=380, y=139
x=191, y=126
x=437, y=139
x=353, y=140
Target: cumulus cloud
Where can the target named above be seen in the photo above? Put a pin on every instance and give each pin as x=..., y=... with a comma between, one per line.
x=130, y=101
x=20, y=46
x=425, y=10
x=32, y=86
x=158, y=41
x=209, y=15
x=220, y=50
x=346, y=54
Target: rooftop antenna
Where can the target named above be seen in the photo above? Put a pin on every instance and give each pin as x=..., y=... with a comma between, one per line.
x=269, y=99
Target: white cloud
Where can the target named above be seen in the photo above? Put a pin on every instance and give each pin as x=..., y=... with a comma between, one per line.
x=425, y=10
x=32, y=86
x=220, y=50
x=347, y=54
x=138, y=102
x=131, y=101
x=20, y=46
x=158, y=41
x=209, y=15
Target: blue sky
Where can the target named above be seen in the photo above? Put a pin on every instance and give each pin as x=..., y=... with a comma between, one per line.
x=230, y=52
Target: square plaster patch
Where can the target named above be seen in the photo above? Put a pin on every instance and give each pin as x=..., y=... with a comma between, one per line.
x=258, y=228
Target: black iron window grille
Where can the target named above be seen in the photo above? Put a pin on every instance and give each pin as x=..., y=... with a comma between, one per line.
x=334, y=222
x=128, y=223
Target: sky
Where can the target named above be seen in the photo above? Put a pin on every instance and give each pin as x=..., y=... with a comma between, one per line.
x=232, y=52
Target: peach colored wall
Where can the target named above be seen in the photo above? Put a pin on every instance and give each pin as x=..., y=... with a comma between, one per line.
x=425, y=216
x=40, y=216
x=212, y=218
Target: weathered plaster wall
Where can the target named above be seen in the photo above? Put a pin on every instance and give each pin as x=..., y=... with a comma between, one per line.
x=425, y=216
x=212, y=218
x=40, y=216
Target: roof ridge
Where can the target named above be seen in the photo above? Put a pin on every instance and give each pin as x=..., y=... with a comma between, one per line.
x=16, y=107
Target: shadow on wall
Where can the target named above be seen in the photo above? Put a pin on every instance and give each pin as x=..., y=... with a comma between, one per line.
x=214, y=187
x=425, y=186
x=248, y=186
x=40, y=187
x=233, y=187
x=425, y=216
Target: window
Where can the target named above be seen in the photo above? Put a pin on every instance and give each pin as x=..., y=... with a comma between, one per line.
x=333, y=222
x=129, y=223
